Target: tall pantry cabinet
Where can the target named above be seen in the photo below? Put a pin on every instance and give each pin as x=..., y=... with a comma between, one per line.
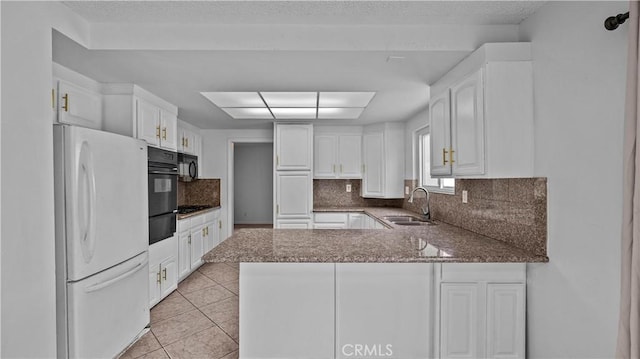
x=293, y=182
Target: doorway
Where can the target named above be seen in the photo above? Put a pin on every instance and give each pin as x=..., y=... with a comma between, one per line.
x=253, y=185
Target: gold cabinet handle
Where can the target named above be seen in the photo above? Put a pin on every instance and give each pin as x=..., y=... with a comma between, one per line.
x=189, y=239
x=333, y=169
x=220, y=224
x=65, y=107
x=203, y=232
x=182, y=141
x=277, y=208
x=451, y=151
x=187, y=141
x=164, y=133
x=340, y=169
x=53, y=98
x=158, y=131
x=444, y=156
x=164, y=273
x=158, y=277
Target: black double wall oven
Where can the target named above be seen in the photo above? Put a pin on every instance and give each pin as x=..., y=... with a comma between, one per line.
x=163, y=197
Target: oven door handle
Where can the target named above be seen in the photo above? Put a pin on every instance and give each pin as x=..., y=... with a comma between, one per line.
x=164, y=172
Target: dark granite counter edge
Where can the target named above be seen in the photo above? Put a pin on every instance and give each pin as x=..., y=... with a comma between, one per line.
x=193, y=214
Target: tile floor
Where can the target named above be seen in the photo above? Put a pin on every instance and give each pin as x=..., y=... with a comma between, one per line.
x=199, y=320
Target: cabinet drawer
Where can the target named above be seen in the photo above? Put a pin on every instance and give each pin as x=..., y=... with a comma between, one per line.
x=184, y=225
x=330, y=217
x=477, y=272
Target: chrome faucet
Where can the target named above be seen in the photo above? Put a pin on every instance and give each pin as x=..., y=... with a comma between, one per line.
x=425, y=208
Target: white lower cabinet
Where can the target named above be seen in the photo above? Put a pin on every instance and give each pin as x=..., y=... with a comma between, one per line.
x=163, y=269
x=482, y=310
x=294, y=224
x=373, y=310
x=196, y=236
x=383, y=310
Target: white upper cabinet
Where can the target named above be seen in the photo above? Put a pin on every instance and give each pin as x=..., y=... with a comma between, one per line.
x=440, y=119
x=481, y=115
x=383, y=161
x=325, y=156
x=337, y=156
x=294, y=147
x=467, y=122
x=79, y=106
x=76, y=99
x=132, y=111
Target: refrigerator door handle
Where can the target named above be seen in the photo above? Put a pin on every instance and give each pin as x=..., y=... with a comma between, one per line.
x=117, y=278
x=87, y=201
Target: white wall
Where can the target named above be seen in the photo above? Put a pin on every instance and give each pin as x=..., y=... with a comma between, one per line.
x=579, y=81
x=28, y=264
x=253, y=183
x=418, y=121
x=215, y=163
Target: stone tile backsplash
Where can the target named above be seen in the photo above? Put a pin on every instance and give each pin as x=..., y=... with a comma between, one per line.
x=512, y=210
x=200, y=192
x=332, y=193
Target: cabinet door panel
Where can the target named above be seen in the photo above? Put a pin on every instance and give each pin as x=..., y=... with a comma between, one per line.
x=440, y=135
x=168, y=130
x=373, y=176
x=350, y=156
x=293, y=195
x=467, y=119
x=294, y=147
x=184, y=254
x=357, y=221
x=505, y=320
x=154, y=286
x=386, y=306
x=459, y=320
x=169, y=277
x=324, y=157
x=293, y=224
x=79, y=106
x=197, y=247
x=148, y=120
x=287, y=310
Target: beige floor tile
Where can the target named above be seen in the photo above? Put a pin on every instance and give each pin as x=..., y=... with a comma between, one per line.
x=146, y=344
x=222, y=311
x=170, y=306
x=234, y=287
x=195, y=281
x=209, y=295
x=180, y=326
x=210, y=343
x=231, y=327
x=156, y=354
x=219, y=272
x=233, y=355
x=234, y=265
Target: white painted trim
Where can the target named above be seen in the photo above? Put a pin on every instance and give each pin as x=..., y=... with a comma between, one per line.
x=230, y=168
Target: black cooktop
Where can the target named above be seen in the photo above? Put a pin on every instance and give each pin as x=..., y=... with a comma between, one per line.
x=191, y=209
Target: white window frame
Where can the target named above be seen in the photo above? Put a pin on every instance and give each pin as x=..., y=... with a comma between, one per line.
x=439, y=188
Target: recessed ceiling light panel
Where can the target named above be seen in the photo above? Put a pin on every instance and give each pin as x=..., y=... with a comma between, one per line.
x=295, y=113
x=345, y=99
x=248, y=113
x=290, y=99
x=336, y=113
x=234, y=99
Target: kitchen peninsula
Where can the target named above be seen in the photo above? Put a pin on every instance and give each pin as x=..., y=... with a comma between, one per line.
x=407, y=292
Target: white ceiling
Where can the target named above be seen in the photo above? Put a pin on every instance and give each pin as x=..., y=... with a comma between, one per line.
x=179, y=76
x=328, y=12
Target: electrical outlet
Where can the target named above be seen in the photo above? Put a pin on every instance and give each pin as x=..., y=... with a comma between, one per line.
x=465, y=196
x=406, y=189
x=348, y=187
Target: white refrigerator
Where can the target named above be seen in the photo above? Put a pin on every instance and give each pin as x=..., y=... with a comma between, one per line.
x=102, y=241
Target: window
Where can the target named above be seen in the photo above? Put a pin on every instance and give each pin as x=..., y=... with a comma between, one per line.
x=444, y=185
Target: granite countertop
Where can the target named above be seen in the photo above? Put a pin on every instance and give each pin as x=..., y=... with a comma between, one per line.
x=402, y=244
x=197, y=213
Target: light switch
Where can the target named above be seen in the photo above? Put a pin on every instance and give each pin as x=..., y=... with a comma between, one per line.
x=465, y=196
x=348, y=187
